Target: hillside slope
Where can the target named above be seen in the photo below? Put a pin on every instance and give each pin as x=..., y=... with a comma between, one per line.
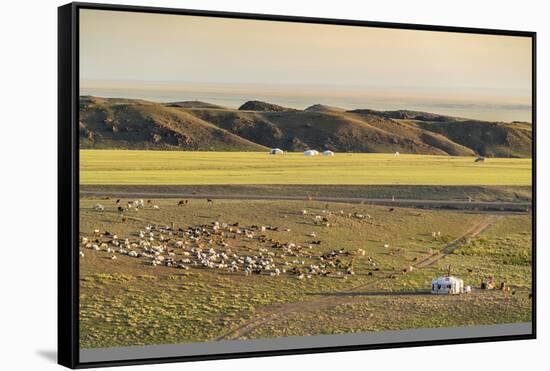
x=337, y=131
x=256, y=126
x=486, y=138
x=134, y=124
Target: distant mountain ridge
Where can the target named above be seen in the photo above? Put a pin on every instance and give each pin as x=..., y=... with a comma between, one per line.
x=256, y=126
x=409, y=115
x=256, y=105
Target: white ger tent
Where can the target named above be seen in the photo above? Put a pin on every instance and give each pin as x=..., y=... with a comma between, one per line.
x=276, y=151
x=447, y=285
x=311, y=152
x=328, y=153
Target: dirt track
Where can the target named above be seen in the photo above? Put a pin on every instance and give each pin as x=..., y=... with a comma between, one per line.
x=450, y=204
x=340, y=297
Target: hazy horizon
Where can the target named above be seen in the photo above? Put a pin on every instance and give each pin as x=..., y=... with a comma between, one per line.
x=301, y=97
x=229, y=61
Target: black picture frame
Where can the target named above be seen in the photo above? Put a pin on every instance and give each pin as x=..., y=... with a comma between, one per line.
x=68, y=181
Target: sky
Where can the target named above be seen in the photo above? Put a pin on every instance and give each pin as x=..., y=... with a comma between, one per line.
x=126, y=51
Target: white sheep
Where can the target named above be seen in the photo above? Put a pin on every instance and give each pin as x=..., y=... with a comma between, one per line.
x=99, y=207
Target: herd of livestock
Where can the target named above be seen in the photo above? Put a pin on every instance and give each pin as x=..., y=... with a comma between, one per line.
x=227, y=247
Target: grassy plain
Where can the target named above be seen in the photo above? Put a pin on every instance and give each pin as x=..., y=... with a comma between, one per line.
x=127, y=302
x=125, y=167
x=504, y=251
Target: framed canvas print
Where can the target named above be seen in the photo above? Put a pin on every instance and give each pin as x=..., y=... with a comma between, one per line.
x=236, y=185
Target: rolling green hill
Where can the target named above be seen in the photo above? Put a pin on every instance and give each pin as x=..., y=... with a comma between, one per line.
x=255, y=126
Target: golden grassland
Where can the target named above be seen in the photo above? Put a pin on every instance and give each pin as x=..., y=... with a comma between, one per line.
x=125, y=167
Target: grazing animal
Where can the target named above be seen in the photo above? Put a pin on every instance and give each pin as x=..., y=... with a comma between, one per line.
x=209, y=201
x=120, y=209
x=391, y=209
x=99, y=207
x=505, y=289
x=183, y=202
x=117, y=201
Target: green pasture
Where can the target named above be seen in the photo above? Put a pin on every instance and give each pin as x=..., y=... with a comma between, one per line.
x=201, y=168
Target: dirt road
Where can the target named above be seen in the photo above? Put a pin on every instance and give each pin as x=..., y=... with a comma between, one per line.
x=419, y=203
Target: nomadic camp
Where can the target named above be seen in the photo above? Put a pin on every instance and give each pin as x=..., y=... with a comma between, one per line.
x=311, y=152
x=276, y=151
x=447, y=285
x=328, y=153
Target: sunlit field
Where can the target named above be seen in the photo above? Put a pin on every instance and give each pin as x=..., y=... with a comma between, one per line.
x=163, y=167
